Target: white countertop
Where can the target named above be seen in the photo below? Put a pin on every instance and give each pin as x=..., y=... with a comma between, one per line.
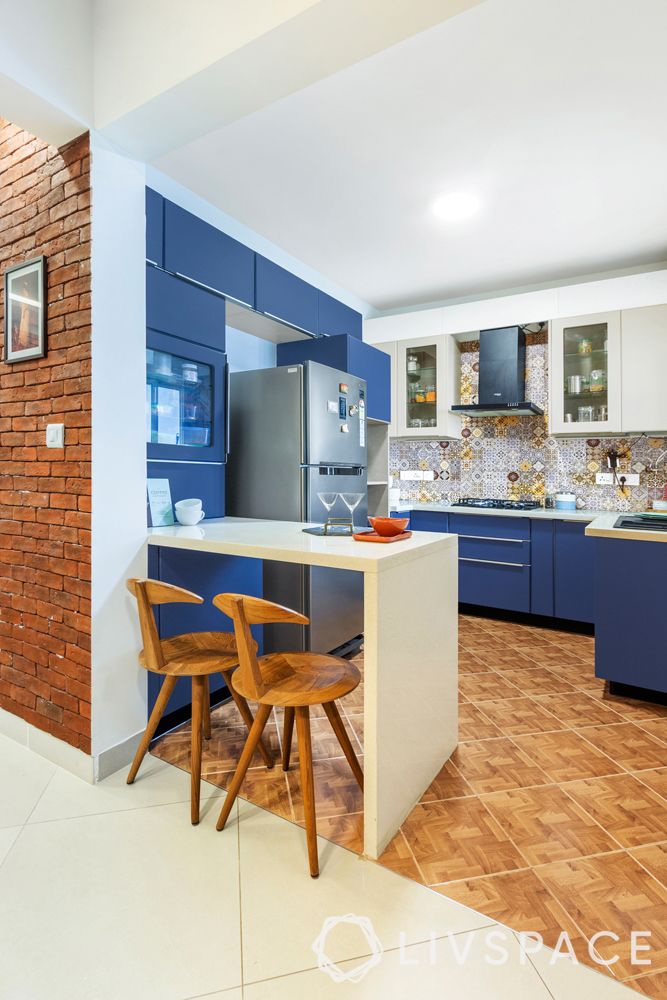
x=603, y=527
x=539, y=512
x=286, y=541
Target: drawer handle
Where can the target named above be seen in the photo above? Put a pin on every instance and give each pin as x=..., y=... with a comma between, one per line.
x=492, y=538
x=495, y=562
x=288, y=322
x=210, y=288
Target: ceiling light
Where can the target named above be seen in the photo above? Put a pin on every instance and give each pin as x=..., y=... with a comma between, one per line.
x=456, y=206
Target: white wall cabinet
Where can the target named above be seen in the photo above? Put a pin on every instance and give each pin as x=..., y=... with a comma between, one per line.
x=644, y=369
x=585, y=375
x=427, y=377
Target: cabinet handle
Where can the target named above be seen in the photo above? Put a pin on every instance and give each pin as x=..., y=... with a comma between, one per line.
x=210, y=288
x=492, y=538
x=287, y=322
x=495, y=562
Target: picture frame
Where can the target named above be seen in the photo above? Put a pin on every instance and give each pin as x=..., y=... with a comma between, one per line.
x=25, y=310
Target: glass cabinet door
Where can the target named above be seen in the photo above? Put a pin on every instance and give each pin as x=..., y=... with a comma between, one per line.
x=418, y=387
x=585, y=382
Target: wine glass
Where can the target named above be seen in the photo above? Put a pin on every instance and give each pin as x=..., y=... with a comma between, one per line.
x=352, y=501
x=328, y=500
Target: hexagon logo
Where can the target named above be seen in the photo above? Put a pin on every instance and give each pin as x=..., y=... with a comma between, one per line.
x=333, y=969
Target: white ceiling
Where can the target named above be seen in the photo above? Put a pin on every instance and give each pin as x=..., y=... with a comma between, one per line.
x=553, y=113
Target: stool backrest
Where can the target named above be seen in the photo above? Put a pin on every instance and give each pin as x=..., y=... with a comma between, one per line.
x=149, y=593
x=244, y=612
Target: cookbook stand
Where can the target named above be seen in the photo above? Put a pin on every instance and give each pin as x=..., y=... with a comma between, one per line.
x=335, y=526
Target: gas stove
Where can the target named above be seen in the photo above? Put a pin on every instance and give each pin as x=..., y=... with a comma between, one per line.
x=497, y=504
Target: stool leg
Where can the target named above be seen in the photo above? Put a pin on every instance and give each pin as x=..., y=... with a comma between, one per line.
x=263, y=712
x=339, y=729
x=195, y=756
x=207, y=710
x=163, y=697
x=287, y=737
x=246, y=715
x=307, y=786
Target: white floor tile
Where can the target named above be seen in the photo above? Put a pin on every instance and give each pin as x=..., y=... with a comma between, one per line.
x=135, y=904
x=235, y=994
x=283, y=909
x=424, y=971
x=23, y=777
x=157, y=783
x=568, y=981
x=7, y=837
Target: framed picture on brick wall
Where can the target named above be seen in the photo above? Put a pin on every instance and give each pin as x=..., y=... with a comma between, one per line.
x=25, y=310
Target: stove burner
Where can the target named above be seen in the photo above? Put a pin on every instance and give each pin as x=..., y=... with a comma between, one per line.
x=497, y=504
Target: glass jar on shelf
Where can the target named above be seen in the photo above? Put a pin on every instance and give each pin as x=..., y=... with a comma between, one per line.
x=413, y=365
x=431, y=394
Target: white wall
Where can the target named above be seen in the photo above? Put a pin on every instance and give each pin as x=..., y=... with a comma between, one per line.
x=246, y=353
x=118, y=447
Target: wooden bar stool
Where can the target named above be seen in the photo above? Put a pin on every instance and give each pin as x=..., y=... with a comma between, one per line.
x=294, y=681
x=193, y=654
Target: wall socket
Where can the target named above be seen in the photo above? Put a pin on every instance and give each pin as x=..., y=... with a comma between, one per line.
x=607, y=478
x=418, y=474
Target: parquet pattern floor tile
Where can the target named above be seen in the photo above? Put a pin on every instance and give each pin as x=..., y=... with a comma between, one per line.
x=550, y=816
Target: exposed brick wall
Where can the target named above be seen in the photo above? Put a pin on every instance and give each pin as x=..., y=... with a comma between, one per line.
x=45, y=493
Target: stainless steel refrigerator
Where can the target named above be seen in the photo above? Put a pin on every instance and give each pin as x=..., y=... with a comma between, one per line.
x=295, y=432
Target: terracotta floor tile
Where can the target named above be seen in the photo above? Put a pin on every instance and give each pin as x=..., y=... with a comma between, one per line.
x=496, y=765
x=448, y=784
x=539, y=680
x=346, y=831
x=653, y=986
x=458, y=839
x=265, y=788
x=324, y=742
x=556, y=655
x=625, y=808
x=222, y=751
x=520, y=901
x=520, y=715
x=654, y=859
x=613, y=893
x=531, y=642
x=546, y=825
x=398, y=857
x=487, y=687
x=565, y=756
x=627, y=744
x=477, y=643
x=656, y=779
x=656, y=727
x=336, y=790
x=503, y=660
x=633, y=710
x=577, y=674
x=474, y=725
x=576, y=708
x=469, y=664
x=356, y=724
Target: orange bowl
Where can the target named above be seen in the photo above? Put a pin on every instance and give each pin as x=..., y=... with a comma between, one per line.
x=389, y=526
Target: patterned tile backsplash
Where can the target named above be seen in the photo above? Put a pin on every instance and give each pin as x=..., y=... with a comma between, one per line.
x=514, y=458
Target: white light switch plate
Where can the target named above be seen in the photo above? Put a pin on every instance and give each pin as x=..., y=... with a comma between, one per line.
x=607, y=478
x=418, y=474
x=55, y=435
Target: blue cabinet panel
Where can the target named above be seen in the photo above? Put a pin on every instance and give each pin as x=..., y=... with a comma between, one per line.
x=488, y=526
x=630, y=619
x=154, y=227
x=509, y=550
x=204, y=480
x=176, y=307
x=542, y=573
x=351, y=356
x=494, y=586
x=574, y=573
x=426, y=520
x=336, y=318
x=284, y=296
x=207, y=574
x=199, y=251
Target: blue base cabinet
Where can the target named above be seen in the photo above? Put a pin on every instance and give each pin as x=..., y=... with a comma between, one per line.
x=352, y=356
x=630, y=619
x=574, y=572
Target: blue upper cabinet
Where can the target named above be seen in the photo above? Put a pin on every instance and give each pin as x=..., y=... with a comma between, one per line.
x=199, y=251
x=154, y=227
x=574, y=573
x=335, y=317
x=352, y=356
x=285, y=297
x=182, y=310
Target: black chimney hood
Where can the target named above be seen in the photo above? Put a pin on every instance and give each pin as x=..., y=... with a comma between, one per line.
x=502, y=376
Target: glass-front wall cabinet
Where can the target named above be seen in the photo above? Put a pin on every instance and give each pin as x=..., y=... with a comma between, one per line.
x=424, y=371
x=585, y=374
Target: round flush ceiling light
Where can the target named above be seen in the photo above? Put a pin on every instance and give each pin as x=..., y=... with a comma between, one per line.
x=456, y=206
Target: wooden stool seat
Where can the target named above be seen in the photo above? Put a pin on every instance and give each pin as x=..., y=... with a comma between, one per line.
x=195, y=654
x=294, y=679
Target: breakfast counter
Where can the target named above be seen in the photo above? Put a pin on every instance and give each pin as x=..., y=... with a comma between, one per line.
x=604, y=527
x=410, y=647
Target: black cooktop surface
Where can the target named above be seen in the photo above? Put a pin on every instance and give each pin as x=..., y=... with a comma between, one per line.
x=651, y=522
x=497, y=504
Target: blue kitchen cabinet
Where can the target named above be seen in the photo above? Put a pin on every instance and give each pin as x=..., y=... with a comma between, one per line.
x=154, y=227
x=542, y=567
x=198, y=251
x=426, y=520
x=574, y=572
x=203, y=480
x=335, y=318
x=178, y=308
x=630, y=619
x=352, y=356
x=283, y=296
x=494, y=561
